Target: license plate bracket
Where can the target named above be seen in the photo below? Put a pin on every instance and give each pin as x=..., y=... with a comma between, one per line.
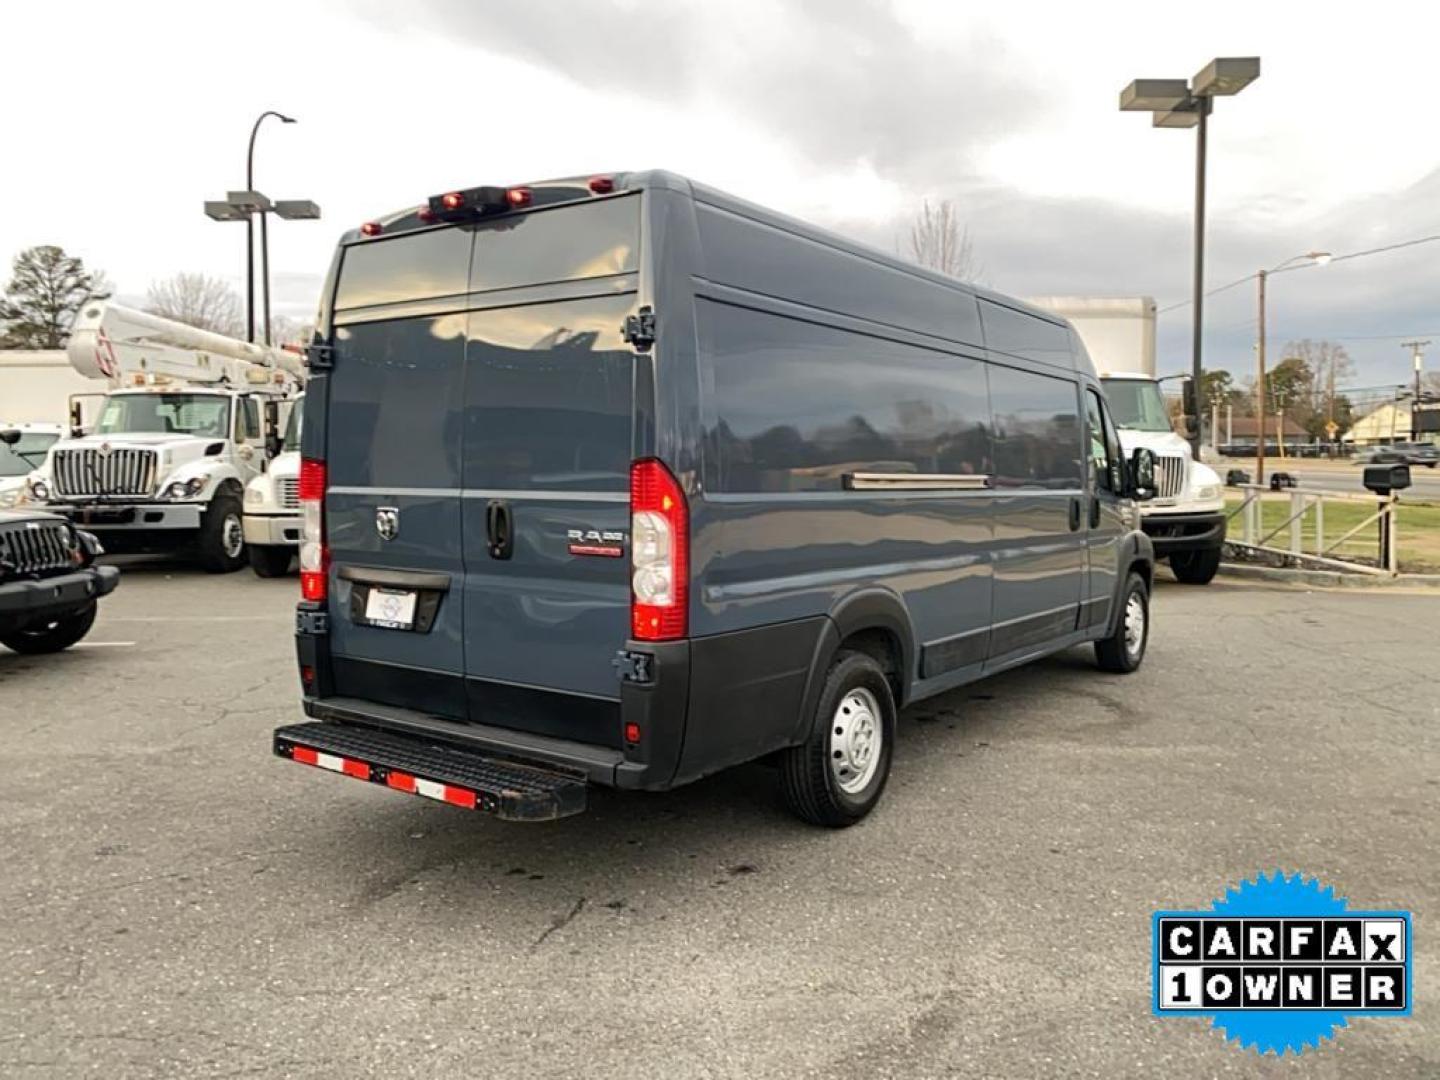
x=390, y=609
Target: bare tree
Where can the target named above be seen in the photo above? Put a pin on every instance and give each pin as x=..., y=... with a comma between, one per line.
x=198, y=300
x=938, y=240
x=287, y=331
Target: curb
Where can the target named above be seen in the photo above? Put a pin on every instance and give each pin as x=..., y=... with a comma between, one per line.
x=1328, y=579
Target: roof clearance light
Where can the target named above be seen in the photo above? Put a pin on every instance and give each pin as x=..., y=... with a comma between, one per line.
x=602, y=185
x=371, y=228
x=427, y=216
x=518, y=196
x=452, y=200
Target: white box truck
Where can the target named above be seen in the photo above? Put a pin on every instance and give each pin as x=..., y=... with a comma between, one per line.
x=1186, y=519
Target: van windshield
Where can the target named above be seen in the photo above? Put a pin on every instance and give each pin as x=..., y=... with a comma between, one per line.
x=184, y=414
x=1137, y=404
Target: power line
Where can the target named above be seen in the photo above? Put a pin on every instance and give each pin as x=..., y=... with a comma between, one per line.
x=1308, y=266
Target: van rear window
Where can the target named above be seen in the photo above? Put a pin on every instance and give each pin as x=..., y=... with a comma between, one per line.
x=567, y=243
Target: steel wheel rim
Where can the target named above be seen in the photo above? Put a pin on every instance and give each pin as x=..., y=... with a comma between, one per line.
x=1134, y=624
x=856, y=740
x=232, y=536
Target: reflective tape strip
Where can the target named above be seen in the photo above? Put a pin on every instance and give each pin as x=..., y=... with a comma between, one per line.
x=431, y=789
x=333, y=762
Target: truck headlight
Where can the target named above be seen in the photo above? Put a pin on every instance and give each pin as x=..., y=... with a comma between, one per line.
x=9, y=498
x=1208, y=491
x=185, y=489
x=254, y=496
x=39, y=491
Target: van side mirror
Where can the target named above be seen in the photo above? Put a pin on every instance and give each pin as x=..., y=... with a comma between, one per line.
x=1190, y=406
x=1142, y=473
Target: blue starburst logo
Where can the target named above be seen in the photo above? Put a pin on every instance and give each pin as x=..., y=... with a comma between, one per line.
x=1280, y=963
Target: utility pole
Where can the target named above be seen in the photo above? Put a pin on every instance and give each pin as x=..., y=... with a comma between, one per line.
x=1260, y=384
x=1417, y=349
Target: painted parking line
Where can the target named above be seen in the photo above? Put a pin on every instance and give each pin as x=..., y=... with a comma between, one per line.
x=103, y=645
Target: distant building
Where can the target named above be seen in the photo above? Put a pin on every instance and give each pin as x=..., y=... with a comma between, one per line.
x=36, y=384
x=1242, y=432
x=1390, y=423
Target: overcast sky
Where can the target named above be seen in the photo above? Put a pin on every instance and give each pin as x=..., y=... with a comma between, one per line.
x=121, y=119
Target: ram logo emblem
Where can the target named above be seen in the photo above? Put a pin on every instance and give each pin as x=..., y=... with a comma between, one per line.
x=387, y=522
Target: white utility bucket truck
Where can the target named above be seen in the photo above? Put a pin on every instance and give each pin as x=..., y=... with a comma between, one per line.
x=1186, y=519
x=191, y=417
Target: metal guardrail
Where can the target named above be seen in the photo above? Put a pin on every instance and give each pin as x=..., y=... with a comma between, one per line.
x=1309, y=504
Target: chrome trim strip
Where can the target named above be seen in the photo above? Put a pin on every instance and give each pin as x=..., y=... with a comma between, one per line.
x=869, y=481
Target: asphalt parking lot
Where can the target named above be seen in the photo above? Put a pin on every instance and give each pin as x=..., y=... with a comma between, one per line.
x=177, y=902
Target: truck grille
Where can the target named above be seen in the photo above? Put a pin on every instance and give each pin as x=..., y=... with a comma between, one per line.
x=88, y=471
x=289, y=488
x=1169, y=476
x=34, y=547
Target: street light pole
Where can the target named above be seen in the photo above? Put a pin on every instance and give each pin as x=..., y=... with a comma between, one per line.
x=1181, y=103
x=1417, y=350
x=264, y=235
x=1198, y=287
x=1260, y=386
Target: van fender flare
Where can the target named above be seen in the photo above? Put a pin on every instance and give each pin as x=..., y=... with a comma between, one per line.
x=866, y=609
x=1136, y=553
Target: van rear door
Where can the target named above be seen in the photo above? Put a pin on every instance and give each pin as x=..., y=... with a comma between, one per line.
x=547, y=442
x=393, y=454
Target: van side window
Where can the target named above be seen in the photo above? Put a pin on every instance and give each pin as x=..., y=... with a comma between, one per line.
x=797, y=405
x=1036, y=429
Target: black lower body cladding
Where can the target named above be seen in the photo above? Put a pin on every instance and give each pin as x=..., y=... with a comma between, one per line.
x=1184, y=532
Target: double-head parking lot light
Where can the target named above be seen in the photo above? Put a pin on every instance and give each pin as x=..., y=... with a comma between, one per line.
x=1176, y=103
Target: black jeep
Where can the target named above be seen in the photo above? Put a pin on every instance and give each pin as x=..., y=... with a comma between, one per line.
x=49, y=583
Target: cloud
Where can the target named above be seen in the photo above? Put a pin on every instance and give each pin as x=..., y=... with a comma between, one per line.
x=841, y=81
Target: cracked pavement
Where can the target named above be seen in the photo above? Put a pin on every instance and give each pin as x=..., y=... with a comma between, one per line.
x=180, y=903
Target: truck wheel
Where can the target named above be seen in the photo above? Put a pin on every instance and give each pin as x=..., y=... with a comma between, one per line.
x=59, y=633
x=270, y=560
x=836, y=776
x=1195, y=567
x=222, y=534
x=1124, y=649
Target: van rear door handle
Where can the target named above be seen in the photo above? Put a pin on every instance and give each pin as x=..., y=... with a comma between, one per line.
x=499, y=529
x=1074, y=513
x=1094, y=511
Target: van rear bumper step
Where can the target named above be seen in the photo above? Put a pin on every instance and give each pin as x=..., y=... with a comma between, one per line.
x=509, y=790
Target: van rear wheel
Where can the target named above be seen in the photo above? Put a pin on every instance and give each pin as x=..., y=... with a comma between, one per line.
x=1123, y=651
x=837, y=775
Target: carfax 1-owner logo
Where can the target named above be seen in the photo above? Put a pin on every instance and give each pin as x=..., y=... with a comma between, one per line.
x=1280, y=963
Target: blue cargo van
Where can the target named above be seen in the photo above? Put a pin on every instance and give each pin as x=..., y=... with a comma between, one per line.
x=623, y=481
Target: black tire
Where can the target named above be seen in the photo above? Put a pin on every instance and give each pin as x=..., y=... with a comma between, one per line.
x=59, y=633
x=270, y=560
x=219, y=551
x=811, y=784
x=1195, y=567
x=1117, y=652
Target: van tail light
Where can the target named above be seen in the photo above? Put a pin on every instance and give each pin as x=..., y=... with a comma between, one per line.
x=314, y=554
x=659, y=554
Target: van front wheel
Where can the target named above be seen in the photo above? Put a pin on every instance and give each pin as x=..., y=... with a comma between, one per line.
x=837, y=775
x=1124, y=649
